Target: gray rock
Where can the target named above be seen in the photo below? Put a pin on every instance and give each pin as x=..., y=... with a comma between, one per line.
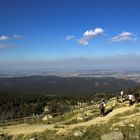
x=132, y=125
x=78, y=133
x=32, y=139
x=47, y=117
x=80, y=118
x=113, y=136
x=119, y=124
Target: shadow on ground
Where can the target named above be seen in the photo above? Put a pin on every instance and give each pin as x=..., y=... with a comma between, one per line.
x=108, y=111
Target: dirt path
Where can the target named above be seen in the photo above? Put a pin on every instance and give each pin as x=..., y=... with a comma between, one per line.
x=25, y=128
x=28, y=129
x=100, y=119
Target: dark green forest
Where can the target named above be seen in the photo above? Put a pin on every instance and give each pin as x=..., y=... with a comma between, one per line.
x=63, y=86
x=25, y=96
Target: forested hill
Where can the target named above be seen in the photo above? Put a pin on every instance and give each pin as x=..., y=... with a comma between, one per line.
x=68, y=86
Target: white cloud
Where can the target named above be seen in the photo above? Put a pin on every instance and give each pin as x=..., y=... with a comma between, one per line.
x=90, y=34
x=4, y=37
x=123, y=37
x=69, y=37
x=93, y=33
x=2, y=46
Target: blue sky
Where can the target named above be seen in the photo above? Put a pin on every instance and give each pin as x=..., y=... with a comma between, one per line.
x=41, y=32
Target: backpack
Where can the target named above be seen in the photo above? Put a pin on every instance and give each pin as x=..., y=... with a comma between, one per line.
x=102, y=106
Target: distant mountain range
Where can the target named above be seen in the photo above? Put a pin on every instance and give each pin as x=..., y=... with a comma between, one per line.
x=63, y=86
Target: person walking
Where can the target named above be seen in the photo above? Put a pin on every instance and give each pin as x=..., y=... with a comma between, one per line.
x=130, y=98
x=121, y=96
x=102, y=108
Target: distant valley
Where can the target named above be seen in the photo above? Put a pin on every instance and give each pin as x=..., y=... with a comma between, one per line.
x=64, y=86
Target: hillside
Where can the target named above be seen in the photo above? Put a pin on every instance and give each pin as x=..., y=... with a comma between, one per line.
x=84, y=123
x=63, y=86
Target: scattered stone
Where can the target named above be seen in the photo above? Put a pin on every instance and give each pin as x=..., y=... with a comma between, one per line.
x=132, y=125
x=119, y=124
x=80, y=118
x=78, y=133
x=32, y=139
x=92, y=102
x=47, y=117
x=116, y=129
x=113, y=124
x=46, y=109
x=113, y=136
x=81, y=109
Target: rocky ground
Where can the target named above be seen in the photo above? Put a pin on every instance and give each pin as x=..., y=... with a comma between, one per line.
x=120, y=123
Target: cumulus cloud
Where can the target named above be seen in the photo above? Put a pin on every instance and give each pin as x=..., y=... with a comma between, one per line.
x=17, y=36
x=69, y=37
x=93, y=33
x=2, y=46
x=123, y=37
x=90, y=34
x=4, y=37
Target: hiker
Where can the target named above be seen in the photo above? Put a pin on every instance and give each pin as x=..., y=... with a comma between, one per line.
x=130, y=98
x=102, y=107
x=117, y=99
x=121, y=96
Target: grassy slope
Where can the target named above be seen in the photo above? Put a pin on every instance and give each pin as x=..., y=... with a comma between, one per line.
x=65, y=126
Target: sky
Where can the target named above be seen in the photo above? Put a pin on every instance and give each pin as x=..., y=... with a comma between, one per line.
x=69, y=34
